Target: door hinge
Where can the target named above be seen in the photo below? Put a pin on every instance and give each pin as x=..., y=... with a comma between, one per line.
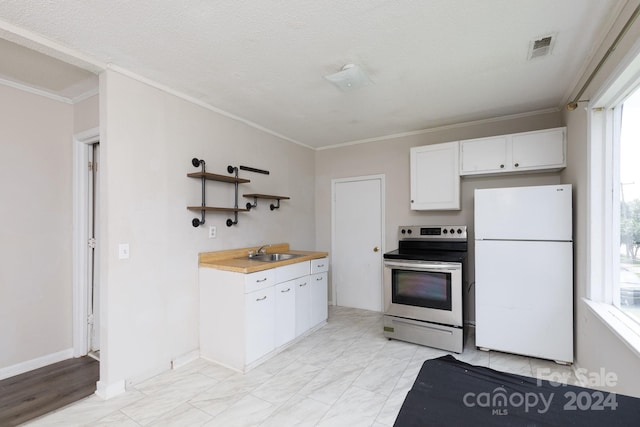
x=90, y=319
x=92, y=243
x=90, y=166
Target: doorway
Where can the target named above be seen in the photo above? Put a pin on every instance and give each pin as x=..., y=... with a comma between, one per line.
x=93, y=276
x=86, y=269
x=358, y=241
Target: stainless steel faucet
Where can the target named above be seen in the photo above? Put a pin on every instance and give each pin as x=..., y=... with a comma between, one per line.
x=262, y=248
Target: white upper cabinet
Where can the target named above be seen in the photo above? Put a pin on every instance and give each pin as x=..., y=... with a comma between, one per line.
x=435, y=179
x=484, y=155
x=539, y=150
x=543, y=150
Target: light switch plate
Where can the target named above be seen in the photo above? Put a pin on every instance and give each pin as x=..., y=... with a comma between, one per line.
x=123, y=251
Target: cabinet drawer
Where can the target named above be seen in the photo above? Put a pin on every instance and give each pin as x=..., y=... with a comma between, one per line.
x=292, y=271
x=319, y=265
x=259, y=280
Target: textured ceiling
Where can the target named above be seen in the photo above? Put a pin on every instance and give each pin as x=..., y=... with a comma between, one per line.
x=433, y=62
x=44, y=73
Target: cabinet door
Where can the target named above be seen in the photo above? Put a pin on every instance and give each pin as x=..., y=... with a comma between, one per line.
x=484, y=155
x=303, y=304
x=285, y=327
x=319, y=298
x=435, y=178
x=539, y=150
x=260, y=323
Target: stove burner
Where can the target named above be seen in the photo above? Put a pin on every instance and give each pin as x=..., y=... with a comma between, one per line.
x=444, y=243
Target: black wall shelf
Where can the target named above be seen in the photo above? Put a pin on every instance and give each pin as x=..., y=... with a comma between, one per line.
x=265, y=196
x=203, y=175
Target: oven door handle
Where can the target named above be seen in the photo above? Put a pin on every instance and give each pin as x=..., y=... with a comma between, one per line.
x=422, y=266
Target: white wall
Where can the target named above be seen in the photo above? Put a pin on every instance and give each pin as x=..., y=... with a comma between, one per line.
x=596, y=346
x=391, y=158
x=86, y=114
x=35, y=227
x=148, y=138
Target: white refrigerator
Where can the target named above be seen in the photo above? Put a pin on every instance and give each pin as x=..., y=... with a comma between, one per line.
x=524, y=271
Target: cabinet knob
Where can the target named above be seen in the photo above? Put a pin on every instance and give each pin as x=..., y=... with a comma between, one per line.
x=376, y=249
x=517, y=164
x=501, y=166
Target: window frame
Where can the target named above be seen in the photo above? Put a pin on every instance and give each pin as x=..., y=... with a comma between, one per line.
x=604, y=115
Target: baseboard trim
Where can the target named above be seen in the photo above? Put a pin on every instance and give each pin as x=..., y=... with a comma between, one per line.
x=107, y=391
x=180, y=361
x=39, y=362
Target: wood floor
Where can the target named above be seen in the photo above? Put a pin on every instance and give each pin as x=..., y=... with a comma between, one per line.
x=35, y=393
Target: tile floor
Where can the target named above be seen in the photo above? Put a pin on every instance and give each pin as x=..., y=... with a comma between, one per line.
x=344, y=374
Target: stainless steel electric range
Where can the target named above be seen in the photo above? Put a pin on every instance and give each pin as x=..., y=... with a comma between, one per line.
x=423, y=282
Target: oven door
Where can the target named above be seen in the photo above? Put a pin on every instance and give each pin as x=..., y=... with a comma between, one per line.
x=425, y=291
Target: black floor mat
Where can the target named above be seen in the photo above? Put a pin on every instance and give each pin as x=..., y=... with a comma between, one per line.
x=448, y=392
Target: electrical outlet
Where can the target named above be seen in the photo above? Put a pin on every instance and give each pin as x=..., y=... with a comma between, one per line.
x=123, y=251
x=212, y=231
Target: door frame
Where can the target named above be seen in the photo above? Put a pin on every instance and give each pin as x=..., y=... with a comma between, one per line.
x=335, y=181
x=82, y=143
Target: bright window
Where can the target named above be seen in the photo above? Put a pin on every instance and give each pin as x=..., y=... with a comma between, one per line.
x=614, y=204
x=626, y=292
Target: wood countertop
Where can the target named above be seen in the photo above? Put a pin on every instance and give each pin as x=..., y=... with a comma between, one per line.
x=237, y=259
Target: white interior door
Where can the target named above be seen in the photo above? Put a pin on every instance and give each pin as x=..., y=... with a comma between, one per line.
x=85, y=202
x=93, y=279
x=358, y=224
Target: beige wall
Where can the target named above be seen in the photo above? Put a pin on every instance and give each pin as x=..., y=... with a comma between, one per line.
x=35, y=226
x=391, y=158
x=148, y=138
x=597, y=347
x=86, y=114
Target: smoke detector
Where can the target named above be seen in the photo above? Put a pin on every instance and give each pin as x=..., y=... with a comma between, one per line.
x=541, y=47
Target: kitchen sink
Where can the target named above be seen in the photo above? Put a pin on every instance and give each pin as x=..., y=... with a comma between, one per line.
x=273, y=257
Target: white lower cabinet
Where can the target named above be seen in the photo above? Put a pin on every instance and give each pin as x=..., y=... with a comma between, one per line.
x=246, y=317
x=285, y=298
x=260, y=309
x=319, y=298
x=303, y=305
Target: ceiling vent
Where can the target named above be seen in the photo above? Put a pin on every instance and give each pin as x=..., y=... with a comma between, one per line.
x=541, y=47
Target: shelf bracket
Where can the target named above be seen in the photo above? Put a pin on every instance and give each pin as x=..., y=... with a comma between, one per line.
x=200, y=163
x=250, y=205
x=276, y=206
x=234, y=170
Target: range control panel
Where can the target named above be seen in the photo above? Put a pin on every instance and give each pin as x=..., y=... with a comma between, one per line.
x=432, y=232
